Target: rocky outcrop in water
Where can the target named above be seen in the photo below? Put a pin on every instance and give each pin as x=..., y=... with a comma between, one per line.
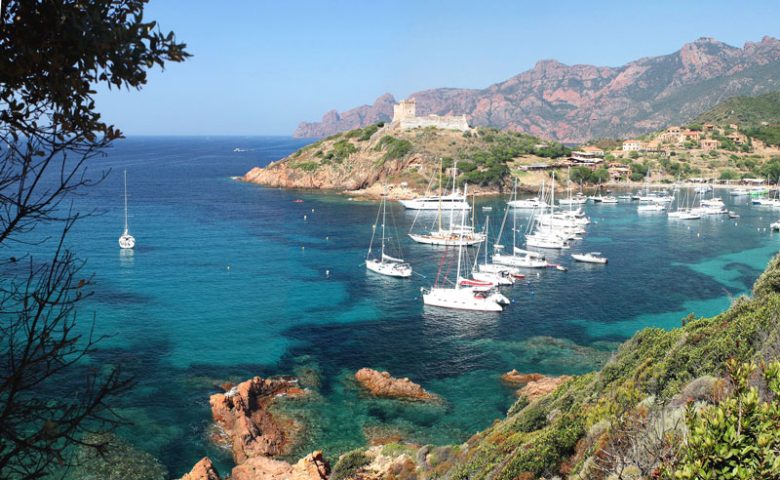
x=538, y=388
x=514, y=377
x=382, y=384
x=243, y=416
x=203, y=470
x=574, y=103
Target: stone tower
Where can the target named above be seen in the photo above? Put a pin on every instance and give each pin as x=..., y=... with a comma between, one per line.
x=405, y=110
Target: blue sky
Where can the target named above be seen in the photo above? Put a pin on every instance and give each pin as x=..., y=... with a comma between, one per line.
x=260, y=67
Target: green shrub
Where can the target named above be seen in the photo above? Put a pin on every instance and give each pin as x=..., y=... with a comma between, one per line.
x=395, y=148
x=738, y=438
x=349, y=464
x=306, y=166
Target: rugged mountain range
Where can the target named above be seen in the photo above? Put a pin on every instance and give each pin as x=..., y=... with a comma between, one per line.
x=580, y=102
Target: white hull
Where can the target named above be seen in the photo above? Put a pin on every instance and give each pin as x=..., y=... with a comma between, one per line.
x=497, y=269
x=430, y=203
x=494, y=278
x=126, y=241
x=460, y=299
x=588, y=258
x=390, y=269
x=451, y=240
x=552, y=243
x=519, y=261
x=651, y=208
x=683, y=215
x=527, y=204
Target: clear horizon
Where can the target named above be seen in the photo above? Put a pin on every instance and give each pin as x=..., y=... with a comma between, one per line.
x=260, y=68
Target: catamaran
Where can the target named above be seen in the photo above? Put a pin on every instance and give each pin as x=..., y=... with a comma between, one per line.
x=126, y=241
x=384, y=264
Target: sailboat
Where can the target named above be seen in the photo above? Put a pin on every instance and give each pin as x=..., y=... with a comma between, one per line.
x=385, y=264
x=463, y=296
x=489, y=272
x=126, y=241
x=518, y=258
x=549, y=237
x=451, y=236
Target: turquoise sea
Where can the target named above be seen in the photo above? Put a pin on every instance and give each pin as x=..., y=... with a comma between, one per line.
x=231, y=280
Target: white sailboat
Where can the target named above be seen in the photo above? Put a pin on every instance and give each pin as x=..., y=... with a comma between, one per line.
x=126, y=241
x=488, y=272
x=452, y=236
x=518, y=258
x=385, y=264
x=549, y=237
x=460, y=296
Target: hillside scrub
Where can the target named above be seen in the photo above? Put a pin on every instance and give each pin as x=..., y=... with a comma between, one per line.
x=594, y=425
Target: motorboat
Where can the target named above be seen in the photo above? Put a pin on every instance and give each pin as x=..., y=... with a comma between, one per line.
x=591, y=257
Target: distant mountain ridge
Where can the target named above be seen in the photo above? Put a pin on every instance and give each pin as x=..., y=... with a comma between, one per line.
x=580, y=102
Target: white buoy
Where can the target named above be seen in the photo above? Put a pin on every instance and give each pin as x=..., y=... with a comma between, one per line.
x=327, y=273
x=228, y=267
x=305, y=218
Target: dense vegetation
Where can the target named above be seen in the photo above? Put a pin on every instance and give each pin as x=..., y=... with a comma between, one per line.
x=758, y=117
x=630, y=419
x=488, y=163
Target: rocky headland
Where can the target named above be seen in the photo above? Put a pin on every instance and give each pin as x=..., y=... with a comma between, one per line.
x=405, y=163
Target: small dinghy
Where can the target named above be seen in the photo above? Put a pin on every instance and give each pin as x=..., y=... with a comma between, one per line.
x=733, y=214
x=592, y=257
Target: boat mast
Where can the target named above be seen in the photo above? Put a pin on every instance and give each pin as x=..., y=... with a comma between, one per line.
x=384, y=216
x=454, y=192
x=460, y=244
x=125, y=201
x=441, y=190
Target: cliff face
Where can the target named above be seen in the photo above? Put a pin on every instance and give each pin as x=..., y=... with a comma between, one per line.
x=580, y=102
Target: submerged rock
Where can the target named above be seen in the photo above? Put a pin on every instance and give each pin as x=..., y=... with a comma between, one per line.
x=382, y=384
x=541, y=387
x=203, y=470
x=242, y=413
x=514, y=377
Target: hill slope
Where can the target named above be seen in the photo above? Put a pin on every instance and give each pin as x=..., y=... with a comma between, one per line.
x=747, y=111
x=579, y=102
x=368, y=157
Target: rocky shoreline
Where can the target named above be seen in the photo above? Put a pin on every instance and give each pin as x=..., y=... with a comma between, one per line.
x=245, y=424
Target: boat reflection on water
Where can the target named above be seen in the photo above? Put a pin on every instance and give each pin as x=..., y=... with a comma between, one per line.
x=126, y=257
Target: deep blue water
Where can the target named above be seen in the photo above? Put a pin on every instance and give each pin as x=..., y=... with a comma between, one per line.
x=229, y=280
